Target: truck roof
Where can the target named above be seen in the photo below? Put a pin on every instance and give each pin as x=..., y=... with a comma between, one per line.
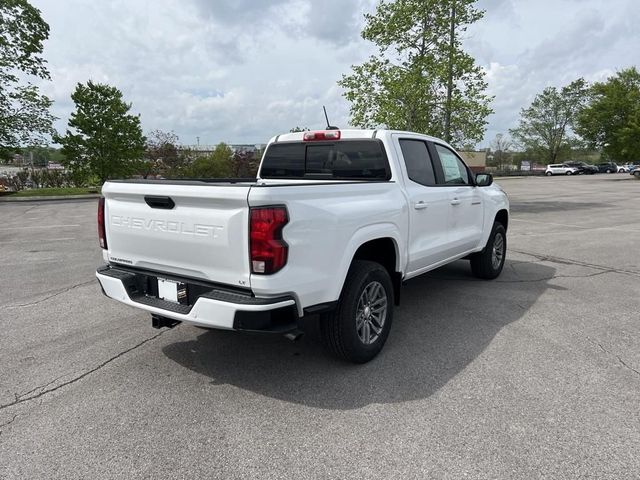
x=350, y=133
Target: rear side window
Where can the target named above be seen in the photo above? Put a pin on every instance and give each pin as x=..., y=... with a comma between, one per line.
x=343, y=160
x=418, y=162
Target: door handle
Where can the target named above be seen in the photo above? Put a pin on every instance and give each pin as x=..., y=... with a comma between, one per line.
x=164, y=203
x=420, y=205
x=455, y=201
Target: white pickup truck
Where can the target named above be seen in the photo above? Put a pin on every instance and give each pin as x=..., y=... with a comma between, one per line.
x=334, y=224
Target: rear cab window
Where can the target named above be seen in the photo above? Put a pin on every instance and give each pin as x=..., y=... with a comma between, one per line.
x=347, y=159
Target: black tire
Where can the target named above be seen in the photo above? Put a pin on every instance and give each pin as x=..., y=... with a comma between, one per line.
x=338, y=328
x=608, y=171
x=569, y=173
x=548, y=174
x=482, y=263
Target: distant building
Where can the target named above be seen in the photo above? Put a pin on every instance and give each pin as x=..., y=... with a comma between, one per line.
x=19, y=160
x=247, y=147
x=54, y=166
x=476, y=161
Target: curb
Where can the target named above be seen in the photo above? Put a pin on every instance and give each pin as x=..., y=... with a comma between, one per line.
x=9, y=199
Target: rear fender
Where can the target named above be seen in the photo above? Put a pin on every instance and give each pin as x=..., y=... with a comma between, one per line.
x=362, y=236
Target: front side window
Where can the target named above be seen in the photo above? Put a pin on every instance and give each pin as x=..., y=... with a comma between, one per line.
x=455, y=171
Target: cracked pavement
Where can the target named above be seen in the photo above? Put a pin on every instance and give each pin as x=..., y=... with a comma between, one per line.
x=535, y=375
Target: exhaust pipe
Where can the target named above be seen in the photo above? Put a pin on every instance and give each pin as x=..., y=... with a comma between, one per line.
x=158, y=322
x=294, y=335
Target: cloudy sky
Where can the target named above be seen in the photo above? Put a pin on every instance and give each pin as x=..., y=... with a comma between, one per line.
x=241, y=71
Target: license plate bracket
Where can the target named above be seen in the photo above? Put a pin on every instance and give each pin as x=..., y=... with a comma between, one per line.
x=172, y=291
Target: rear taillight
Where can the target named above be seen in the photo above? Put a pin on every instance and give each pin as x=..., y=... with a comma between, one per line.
x=268, y=249
x=101, y=228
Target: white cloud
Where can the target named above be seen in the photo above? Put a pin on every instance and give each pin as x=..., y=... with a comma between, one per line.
x=245, y=70
x=549, y=43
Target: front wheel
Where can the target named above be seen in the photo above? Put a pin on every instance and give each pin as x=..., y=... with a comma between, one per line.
x=569, y=173
x=548, y=174
x=489, y=262
x=359, y=326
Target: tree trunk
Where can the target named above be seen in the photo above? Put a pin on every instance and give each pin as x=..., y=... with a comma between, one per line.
x=448, y=107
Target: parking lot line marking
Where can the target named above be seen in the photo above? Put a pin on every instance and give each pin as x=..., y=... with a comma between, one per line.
x=40, y=226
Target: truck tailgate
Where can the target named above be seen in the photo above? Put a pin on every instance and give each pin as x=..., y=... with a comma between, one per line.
x=204, y=235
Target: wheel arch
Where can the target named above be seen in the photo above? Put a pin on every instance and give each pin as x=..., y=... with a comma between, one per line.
x=377, y=245
x=502, y=217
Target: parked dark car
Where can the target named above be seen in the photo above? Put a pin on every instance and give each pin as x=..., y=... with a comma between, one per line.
x=608, y=167
x=583, y=167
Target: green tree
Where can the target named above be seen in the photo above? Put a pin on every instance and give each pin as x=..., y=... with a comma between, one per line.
x=422, y=80
x=545, y=127
x=611, y=119
x=161, y=150
x=24, y=113
x=103, y=139
x=217, y=164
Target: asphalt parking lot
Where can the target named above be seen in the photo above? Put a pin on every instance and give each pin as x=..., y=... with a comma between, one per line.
x=534, y=375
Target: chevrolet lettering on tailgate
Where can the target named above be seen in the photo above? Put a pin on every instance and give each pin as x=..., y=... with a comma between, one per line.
x=153, y=225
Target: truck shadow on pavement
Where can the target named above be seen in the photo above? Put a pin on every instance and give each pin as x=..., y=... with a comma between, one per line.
x=447, y=319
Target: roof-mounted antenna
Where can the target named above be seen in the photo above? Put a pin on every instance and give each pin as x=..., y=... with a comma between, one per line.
x=329, y=126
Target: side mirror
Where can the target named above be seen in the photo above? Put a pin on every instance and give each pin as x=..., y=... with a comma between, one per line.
x=484, y=179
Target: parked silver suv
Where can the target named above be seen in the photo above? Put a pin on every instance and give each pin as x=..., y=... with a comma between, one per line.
x=560, y=169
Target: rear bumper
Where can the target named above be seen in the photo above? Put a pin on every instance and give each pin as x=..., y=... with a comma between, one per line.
x=212, y=307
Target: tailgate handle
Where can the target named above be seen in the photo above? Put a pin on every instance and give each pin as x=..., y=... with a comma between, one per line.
x=165, y=203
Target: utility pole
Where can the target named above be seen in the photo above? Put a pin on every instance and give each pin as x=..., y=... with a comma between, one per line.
x=452, y=39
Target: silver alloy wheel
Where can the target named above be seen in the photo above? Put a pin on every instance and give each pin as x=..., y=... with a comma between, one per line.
x=371, y=312
x=498, y=251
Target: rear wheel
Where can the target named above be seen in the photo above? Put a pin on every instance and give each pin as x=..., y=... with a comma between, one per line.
x=489, y=262
x=359, y=326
